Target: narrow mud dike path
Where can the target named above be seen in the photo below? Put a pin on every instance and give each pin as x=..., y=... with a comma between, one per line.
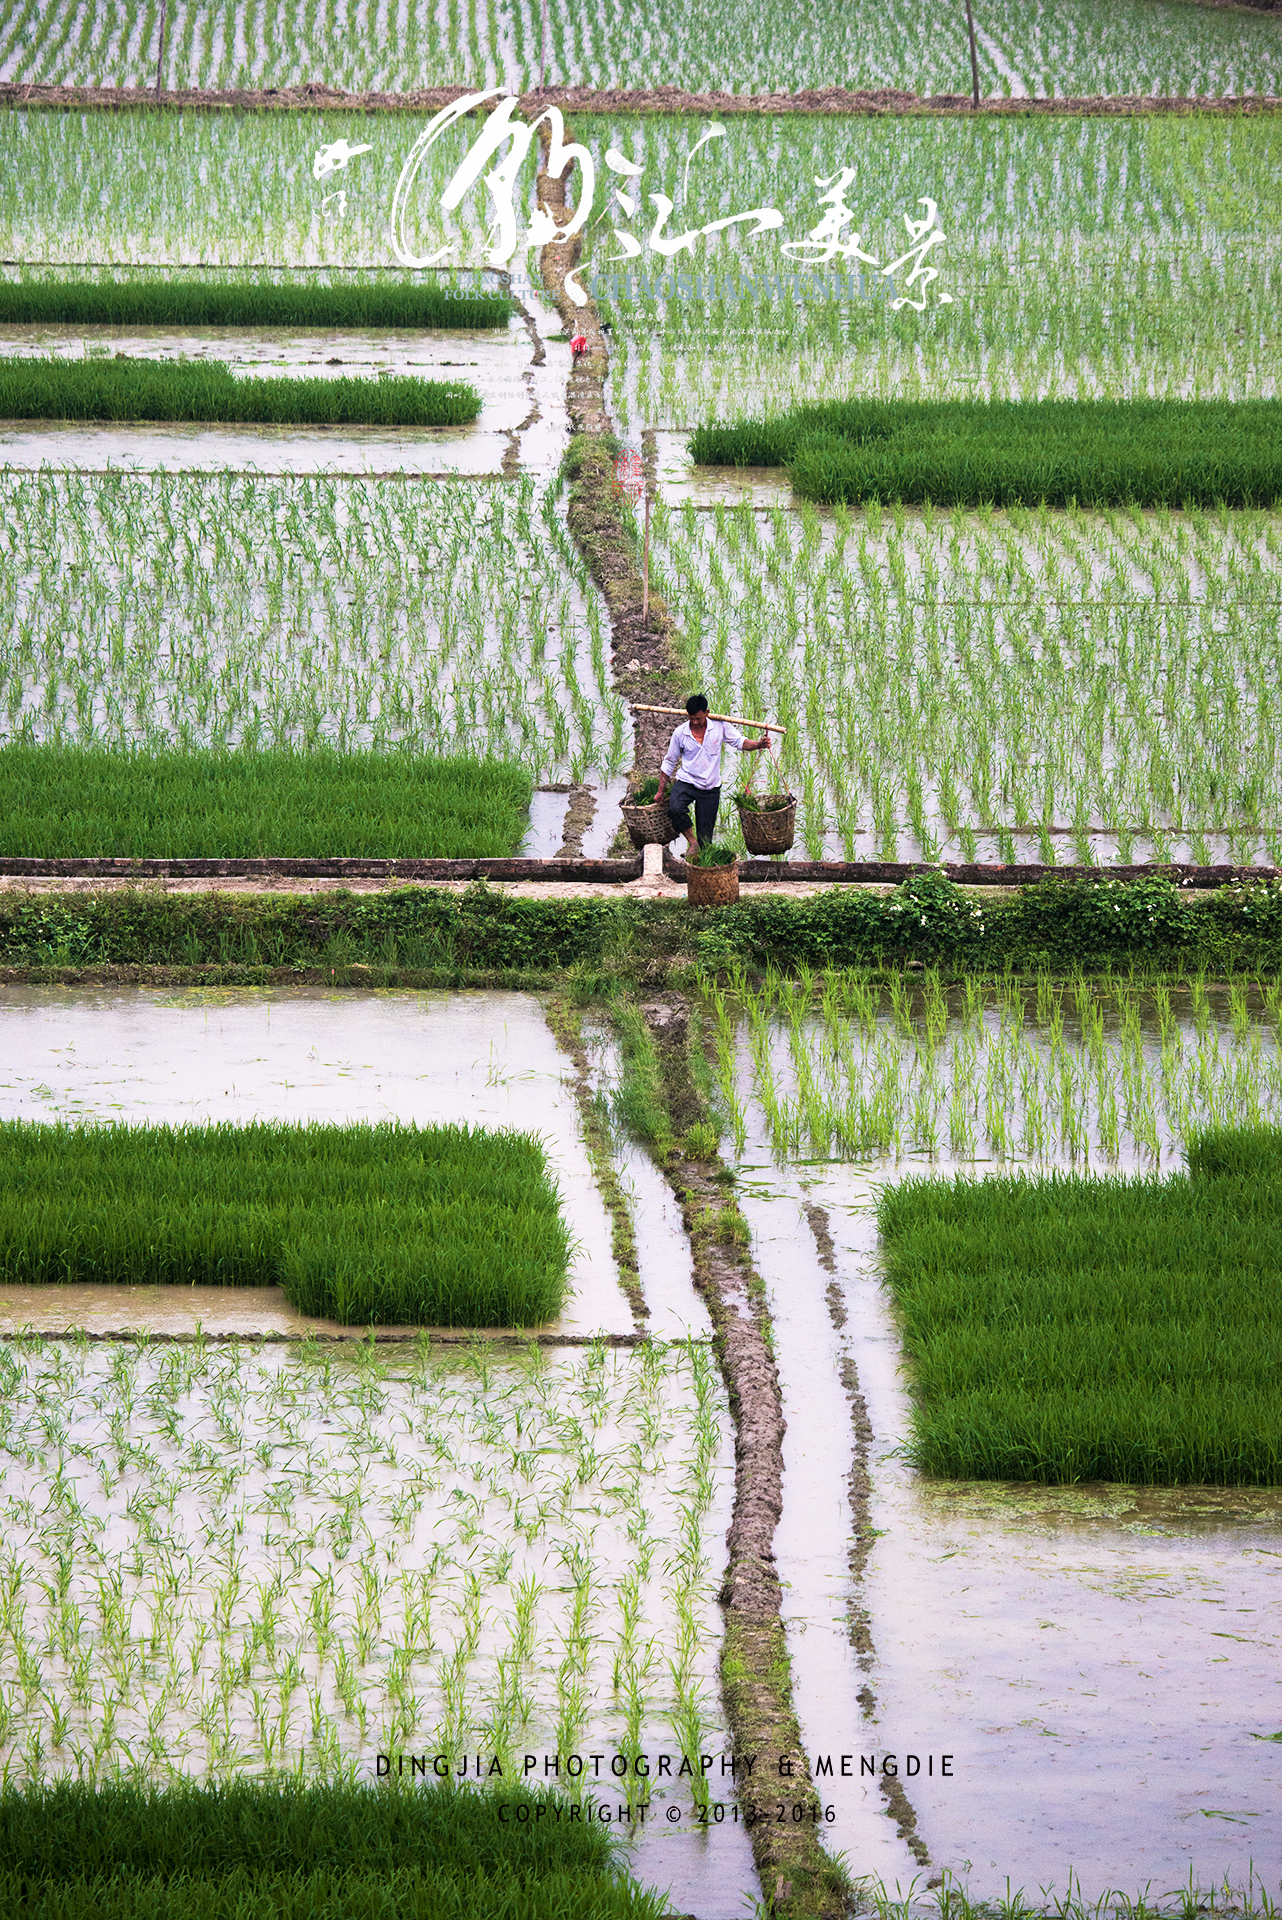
x=645, y=654
x=797, y=1877
x=882, y=102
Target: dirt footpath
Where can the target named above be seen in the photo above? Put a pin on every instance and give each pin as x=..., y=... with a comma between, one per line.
x=826, y=100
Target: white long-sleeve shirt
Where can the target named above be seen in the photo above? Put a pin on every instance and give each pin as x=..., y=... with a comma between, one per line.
x=698, y=762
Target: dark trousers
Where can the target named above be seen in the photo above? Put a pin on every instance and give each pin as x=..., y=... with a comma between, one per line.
x=706, y=801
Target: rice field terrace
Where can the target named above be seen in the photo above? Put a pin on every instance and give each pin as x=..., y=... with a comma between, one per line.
x=1087, y=48
x=442, y=1402
x=1020, y=684
x=1084, y=257
x=181, y=611
x=1033, y=1631
x=227, y=1561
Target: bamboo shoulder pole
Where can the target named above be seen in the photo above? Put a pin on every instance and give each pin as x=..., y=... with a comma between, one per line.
x=735, y=719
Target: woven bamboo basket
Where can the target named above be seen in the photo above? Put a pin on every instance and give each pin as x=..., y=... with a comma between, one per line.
x=771, y=831
x=651, y=826
x=712, y=886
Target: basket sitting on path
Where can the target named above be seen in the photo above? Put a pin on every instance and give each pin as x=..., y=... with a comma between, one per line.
x=769, y=829
x=712, y=886
x=651, y=826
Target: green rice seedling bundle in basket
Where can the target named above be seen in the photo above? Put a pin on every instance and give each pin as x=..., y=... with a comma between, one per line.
x=712, y=876
x=768, y=820
x=647, y=820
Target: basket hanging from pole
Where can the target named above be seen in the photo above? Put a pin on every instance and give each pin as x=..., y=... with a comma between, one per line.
x=651, y=826
x=768, y=831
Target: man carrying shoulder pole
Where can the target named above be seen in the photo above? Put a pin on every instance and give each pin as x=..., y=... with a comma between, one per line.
x=694, y=755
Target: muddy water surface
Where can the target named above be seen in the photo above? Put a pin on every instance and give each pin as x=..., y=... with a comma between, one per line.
x=1104, y=1662
x=181, y=447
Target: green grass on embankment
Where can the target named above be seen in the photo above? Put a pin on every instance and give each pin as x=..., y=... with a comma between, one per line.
x=61, y=802
x=249, y=1852
x=136, y=389
x=443, y=1226
x=1008, y=453
x=247, y=303
x=1069, y=1329
x=412, y=936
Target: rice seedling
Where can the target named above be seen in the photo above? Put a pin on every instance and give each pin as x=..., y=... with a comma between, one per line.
x=953, y=1900
x=168, y=612
x=152, y=190
x=925, y=672
x=1064, y=283
x=1076, y=1074
x=77, y=802
x=1072, y=1328
x=1016, y=452
x=185, y=301
x=445, y=1225
x=1085, y=48
x=322, y=1850
x=130, y=388
x=254, y=1633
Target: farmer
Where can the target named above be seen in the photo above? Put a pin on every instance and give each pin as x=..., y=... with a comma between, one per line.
x=578, y=347
x=695, y=748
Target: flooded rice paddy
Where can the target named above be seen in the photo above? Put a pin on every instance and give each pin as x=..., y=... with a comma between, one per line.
x=520, y=380
x=240, y=610
x=220, y=1561
x=314, y=1555
x=1074, y=1685
x=1008, y=686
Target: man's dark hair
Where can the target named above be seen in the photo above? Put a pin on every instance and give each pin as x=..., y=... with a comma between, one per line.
x=697, y=703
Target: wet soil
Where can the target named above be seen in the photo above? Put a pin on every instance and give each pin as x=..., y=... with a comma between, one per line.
x=578, y=818
x=829, y=100
x=180, y=1313
x=645, y=655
